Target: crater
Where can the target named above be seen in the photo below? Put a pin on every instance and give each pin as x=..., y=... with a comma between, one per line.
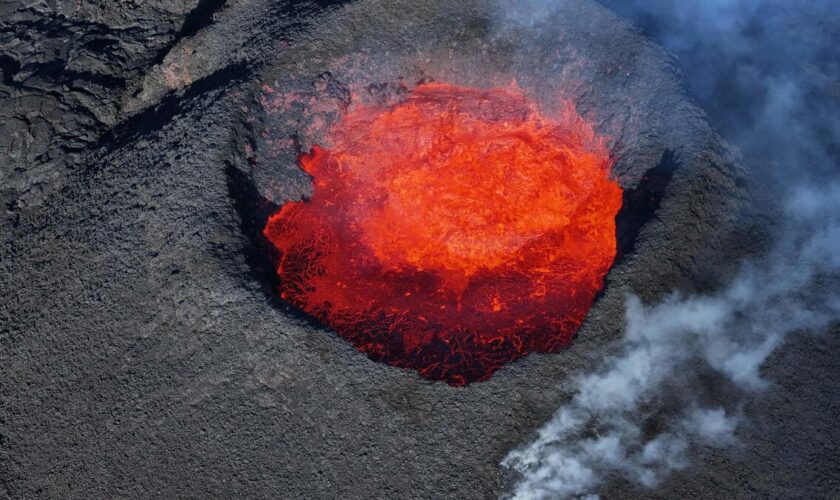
x=372, y=214
x=451, y=232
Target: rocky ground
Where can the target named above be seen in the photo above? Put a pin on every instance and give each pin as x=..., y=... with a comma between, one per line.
x=141, y=349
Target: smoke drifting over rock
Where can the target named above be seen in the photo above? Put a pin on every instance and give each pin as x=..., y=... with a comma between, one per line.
x=144, y=350
x=764, y=71
x=603, y=430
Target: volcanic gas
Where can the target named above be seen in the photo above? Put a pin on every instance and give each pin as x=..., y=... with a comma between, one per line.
x=451, y=232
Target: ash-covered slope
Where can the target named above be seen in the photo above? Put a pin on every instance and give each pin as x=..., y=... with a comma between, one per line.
x=142, y=352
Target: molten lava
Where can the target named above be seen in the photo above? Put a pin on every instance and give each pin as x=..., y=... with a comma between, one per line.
x=453, y=232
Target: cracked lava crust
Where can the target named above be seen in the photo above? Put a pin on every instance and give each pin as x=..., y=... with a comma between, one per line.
x=453, y=232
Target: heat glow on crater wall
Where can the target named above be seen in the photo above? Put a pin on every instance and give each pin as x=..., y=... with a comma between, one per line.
x=453, y=232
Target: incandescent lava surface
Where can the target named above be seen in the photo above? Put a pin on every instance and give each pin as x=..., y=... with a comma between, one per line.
x=452, y=232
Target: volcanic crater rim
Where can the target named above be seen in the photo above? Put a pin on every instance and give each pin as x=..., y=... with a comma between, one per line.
x=639, y=205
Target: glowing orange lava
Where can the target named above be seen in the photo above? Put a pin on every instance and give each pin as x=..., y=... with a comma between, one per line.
x=453, y=232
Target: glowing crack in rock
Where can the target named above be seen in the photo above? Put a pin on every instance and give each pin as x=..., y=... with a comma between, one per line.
x=452, y=232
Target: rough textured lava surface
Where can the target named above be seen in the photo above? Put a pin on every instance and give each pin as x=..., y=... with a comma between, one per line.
x=144, y=351
x=453, y=232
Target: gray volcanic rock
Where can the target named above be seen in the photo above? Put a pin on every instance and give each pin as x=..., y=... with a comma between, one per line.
x=141, y=350
x=65, y=67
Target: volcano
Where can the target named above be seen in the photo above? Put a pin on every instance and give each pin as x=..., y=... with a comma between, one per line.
x=215, y=212
x=452, y=232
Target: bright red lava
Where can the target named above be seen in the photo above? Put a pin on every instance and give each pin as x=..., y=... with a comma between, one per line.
x=453, y=232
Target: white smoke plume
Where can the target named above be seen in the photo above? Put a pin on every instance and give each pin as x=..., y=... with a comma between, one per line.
x=763, y=70
x=601, y=431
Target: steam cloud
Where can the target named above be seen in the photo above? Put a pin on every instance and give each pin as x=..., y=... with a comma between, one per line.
x=763, y=70
x=601, y=431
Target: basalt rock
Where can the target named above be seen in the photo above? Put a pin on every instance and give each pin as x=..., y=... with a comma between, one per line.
x=143, y=351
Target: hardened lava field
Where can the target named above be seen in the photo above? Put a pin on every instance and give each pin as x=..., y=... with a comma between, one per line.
x=452, y=232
